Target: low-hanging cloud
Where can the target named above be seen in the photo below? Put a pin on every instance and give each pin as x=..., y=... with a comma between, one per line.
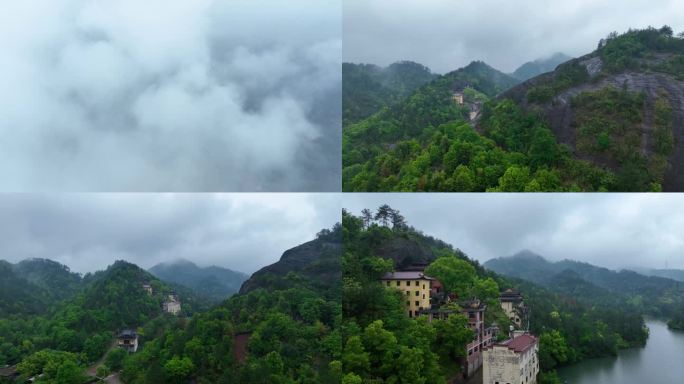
x=448, y=34
x=609, y=230
x=87, y=232
x=182, y=95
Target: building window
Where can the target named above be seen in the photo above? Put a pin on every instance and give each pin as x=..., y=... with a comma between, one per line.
x=408, y=283
x=417, y=303
x=417, y=293
x=423, y=295
x=408, y=303
x=417, y=283
x=398, y=282
x=408, y=293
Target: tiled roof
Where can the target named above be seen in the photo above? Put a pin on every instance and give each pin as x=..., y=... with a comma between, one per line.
x=406, y=275
x=521, y=343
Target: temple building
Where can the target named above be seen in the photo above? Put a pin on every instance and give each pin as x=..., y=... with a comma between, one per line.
x=148, y=289
x=416, y=287
x=512, y=361
x=457, y=97
x=128, y=340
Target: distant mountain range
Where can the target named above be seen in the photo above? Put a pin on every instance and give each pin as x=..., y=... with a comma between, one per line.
x=657, y=296
x=537, y=67
x=216, y=283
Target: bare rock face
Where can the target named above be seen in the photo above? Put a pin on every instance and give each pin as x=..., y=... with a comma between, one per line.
x=594, y=66
x=560, y=116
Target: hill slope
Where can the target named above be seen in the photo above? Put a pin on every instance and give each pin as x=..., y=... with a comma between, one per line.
x=213, y=282
x=316, y=262
x=620, y=107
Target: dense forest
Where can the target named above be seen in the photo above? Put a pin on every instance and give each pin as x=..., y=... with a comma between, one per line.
x=381, y=344
x=292, y=323
x=649, y=295
x=65, y=337
x=578, y=128
x=367, y=88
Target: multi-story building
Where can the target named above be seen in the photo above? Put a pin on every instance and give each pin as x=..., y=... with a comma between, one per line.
x=128, y=340
x=148, y=289
x=416, y=288
x=513, y=306
x=482, y=336
x=513, y=361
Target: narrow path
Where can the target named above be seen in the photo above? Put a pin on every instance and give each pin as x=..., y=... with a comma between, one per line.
x=92, y=370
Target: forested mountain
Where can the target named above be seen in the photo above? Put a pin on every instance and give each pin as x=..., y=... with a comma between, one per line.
x=216, y=283
x=17, y=295
x=619, y=107
x=654, y=296
x=77, y=331
x=367, y=88
x=382, y=344
x=289, y=313
x=607, y=121
x=57, y=279
x=404, y=146
x=316, y=262
x=537, y=67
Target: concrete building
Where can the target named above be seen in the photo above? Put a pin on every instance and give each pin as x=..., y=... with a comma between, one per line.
x=172, y=304
x=416, y=288
x=513, y=305
x=128, y=340
x=457, y=97
x=513, y=361
x=148, y=289
x=483, y=336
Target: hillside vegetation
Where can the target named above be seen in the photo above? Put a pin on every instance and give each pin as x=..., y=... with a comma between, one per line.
x=607, y=121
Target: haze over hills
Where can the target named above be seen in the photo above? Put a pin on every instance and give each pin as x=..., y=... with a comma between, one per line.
x=537, y=67
x=214, y=282
x=367, y=88
x=656, y=296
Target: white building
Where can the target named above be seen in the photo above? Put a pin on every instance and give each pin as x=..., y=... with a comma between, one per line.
x=172, y=304
x=513, y=361
x=128, y=340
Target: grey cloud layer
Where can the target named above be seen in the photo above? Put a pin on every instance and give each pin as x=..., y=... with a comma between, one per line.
x=448, y=34
x=89, y=231
x=183, y=95
x=614, y=230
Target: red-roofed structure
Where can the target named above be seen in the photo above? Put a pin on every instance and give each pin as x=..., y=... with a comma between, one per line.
x=512, y=361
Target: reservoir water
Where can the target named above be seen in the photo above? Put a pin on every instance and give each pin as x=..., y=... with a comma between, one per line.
x=660, y=361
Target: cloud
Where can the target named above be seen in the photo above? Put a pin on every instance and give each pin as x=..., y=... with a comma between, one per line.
x=446, y=34
x=610, y=230
x=183, y=95
x=87, y=232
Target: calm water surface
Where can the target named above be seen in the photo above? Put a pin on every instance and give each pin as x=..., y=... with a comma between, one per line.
x=660, y=361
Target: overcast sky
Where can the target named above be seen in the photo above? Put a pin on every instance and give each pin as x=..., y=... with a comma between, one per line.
x=609, y=230
x=88, y=232
x=170, y=95
x=448, y=34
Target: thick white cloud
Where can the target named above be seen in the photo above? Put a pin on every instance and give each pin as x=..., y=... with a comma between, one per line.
x=448, y=34
x=241, y=231
x=610, y=230
x=181, y=95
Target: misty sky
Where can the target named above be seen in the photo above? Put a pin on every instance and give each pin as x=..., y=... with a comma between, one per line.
x=609, y=230
x=88, y=232
x=159, y=95
x=448, y=34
